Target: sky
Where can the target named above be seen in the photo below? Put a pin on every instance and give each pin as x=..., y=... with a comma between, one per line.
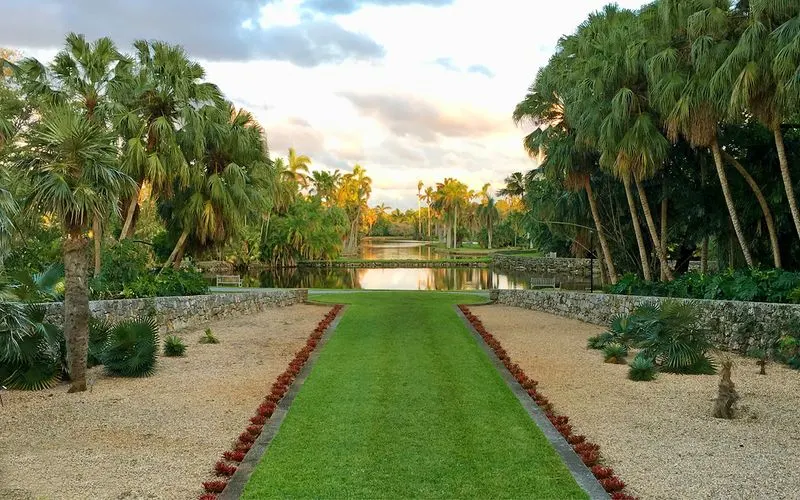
x=409, y=89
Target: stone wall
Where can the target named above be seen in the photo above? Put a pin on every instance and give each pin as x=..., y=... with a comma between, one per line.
x=735, y=325
x=179, y=312
x=392, y=264
x=550, y=266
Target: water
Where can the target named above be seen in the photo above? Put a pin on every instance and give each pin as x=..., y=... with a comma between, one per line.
x=444, y=278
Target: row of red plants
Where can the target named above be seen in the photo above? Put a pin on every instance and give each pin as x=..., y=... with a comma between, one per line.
x=228, y=463
x=588, y=452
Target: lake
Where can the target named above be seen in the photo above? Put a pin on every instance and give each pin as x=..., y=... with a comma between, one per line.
x=446, y=278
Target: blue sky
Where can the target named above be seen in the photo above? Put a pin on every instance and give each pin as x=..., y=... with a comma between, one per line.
x=410, y=89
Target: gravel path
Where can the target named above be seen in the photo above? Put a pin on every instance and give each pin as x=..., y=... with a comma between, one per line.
x=149, y=438
x=660, y=436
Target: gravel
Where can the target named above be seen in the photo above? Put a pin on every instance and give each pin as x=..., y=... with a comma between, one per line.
x=660, y=436
x=155, y=437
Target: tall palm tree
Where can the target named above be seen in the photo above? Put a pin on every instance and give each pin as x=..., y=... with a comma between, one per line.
x=298, y=166
x=489, y=216
x=515, y=186
x=324, y=184
x=72, y=162
x=429, y=194
x=419, y=207
x=162, y=93
x=353, y=196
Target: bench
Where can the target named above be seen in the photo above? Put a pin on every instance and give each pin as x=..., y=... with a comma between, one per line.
x=229, y=280
x=544, y=283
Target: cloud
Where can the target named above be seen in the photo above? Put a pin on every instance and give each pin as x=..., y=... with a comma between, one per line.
x=294, y=133
x=481, y=70
x=409, y=116
x=207, y=29
x=446, y=63
x=339, y=7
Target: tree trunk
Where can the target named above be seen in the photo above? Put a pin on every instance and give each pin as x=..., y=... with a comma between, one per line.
x=773, y=233
x=76, y=307
x=177, y=249
x=490, y=235
x=664, y=206
x=429, y=222
x=127, y=227
x=455, y=229
x=704, y=256
x=97, y=231
x=601, y=235
x=637, y=229
x=787, y=178
x=651, y=225
x=726, y=191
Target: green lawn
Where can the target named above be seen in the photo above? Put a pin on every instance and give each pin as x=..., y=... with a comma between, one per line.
x=402, y=403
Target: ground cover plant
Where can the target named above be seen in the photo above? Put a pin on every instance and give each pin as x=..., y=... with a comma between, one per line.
x=403, y=403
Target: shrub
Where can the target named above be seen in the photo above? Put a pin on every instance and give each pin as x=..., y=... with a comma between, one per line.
x=174, y=346
x=615, y=353
x=642, y=369
x=788, y=349
x=99, y=331
x=167, y=283
x=122, y=262
x=208, y=337
x=600, y=341
x=132, y=347
x=30, y=348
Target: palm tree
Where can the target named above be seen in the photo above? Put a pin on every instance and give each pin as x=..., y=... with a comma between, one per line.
x=72, y=162
x=515, y=186
x=429, y=194
x=488, y=215
x=230, y=180
x=680, y=78
x=353, y=196
x=755, y=77
x=161, y=93
x=419, y=207
x=298, y=167
x=324, y=184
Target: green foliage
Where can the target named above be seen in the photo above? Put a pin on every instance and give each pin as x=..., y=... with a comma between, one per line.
x=601, y=340
x=123, y=262
x=642, y=369
x=208, y=337
x=174, y=346
x=38, y=246
x=788, y=349
x=167, y=283
x=615, y=353
x=30, y=348
x=99, y=331
x=774, y=285
x=132, y=348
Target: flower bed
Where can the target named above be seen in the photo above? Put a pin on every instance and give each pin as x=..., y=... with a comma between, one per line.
x=227, y=465
x=588, y=452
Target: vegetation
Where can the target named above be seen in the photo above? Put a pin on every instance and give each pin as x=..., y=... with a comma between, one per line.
x=407, y=344
x=174, y=346
x=132, y=348
x=662, y=134
x=208, y=337
x=642, y=369
x=615, y=353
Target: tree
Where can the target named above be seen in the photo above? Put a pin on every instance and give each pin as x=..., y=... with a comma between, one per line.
x=489, y=216
x=419, y=207
x=72, y=162
x=298, y=167
x=515, y=186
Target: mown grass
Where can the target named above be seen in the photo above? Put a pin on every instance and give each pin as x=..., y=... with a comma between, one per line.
x=403, y=403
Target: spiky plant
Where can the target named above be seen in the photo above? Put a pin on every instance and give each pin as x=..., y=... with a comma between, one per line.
x=676, y=342
x=174, y=346
x=642, y=369
x=601, y=340
x=30, y=354
x=208, y=337
x=132, y=348
x=615, y=353
x=99, y=330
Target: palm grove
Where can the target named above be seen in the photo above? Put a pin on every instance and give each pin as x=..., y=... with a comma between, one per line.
x=671, y=132
x=108, y=155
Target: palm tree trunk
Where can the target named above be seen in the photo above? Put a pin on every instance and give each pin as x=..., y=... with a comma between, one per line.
x=455, y=229
x=490, y=235
x=76, y=307
x=648, y=216
x=773, y=233
x=177, y=249
x=664, y=206
x=704, y=256
x=637, y=229
x=601, y=235
x=726, y=191
x=429, y=222
x=127, y=227
x=787, y=178
x=97, y=231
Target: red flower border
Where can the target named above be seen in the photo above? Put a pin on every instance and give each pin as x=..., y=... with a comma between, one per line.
x=588, y=452
x=227, y=465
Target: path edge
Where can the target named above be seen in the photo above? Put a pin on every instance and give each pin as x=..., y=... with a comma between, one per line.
x=582, y=475
x=237, y=482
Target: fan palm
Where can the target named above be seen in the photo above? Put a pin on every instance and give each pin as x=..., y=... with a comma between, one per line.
x=515, y=186
x=73, y=165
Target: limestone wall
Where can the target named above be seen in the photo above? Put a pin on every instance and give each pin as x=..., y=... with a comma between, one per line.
x=179, y=312
x=550, y=266
x=736, y=325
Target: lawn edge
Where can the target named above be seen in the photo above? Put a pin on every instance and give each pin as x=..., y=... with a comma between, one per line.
x=243, y=470
x=579, y=471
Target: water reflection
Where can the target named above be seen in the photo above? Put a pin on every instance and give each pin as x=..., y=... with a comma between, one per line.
x=373, y=249
x=399, y=279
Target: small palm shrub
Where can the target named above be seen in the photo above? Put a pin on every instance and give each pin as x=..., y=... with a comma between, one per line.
x=99, y=331
x=601, y=340
x=208, y=337
x=174, y=346
x=30, y=348
x=132, y=348
x=615, y=353
x=642, y=369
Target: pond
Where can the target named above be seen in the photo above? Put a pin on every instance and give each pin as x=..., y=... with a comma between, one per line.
x=380, y=249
